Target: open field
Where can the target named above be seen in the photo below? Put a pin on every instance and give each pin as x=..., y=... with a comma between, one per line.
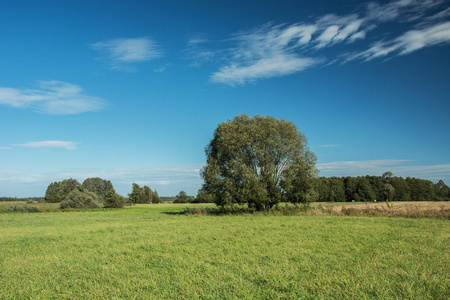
x=150, y=251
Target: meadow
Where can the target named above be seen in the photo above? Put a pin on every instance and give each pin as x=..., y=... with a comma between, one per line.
x=154, y=252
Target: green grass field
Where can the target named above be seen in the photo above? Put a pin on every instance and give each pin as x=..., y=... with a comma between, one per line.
x=143, y=252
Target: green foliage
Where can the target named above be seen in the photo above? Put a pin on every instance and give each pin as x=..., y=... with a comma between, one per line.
x=80, y=198
x=381, y=188
x=136, y=194
x=203, y=197
x=258, y=161
x=98, y=186
x=143, y=195
x=22, y=208
x=182, y=197
x=114, y=200
x=58, y=191
x=156, y=198
x=27, y=199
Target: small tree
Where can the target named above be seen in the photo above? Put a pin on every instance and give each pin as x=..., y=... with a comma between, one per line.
x=203, y=197
x=136, y=194
x=114, y=200
x=388, y=192
x=147, y=194
x=155, y=197
x=182, y=197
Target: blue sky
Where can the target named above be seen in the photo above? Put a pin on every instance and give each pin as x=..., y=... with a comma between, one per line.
x=132, y=91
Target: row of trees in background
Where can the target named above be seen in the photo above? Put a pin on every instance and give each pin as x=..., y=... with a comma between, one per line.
x=143, y=195
x=379, y=188
x=15, y=199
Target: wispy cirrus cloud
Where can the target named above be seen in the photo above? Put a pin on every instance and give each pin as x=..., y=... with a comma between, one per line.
x=50, y=144
x=408, y=42
x=122, y=53
x=52, y=97
x=279, y=50
x=5, y=148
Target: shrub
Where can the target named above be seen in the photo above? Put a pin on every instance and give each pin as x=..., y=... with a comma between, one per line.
x=80, y=198
x=22, y=208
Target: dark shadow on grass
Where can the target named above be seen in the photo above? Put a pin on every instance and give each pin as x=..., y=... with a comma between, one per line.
x=175, y=213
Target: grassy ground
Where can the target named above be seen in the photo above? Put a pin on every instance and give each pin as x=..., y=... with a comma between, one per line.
x=144, y=252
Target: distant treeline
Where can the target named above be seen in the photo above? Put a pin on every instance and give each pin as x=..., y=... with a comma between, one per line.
x=15, y=199
x=379, y=188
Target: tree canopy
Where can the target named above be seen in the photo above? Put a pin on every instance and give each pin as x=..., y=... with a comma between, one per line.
x=259, y=161
x=57, y=191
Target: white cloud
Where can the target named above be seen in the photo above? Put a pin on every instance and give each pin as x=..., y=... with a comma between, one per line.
x=326, y=36
x=409, y=10
x=167, y=180
x=5, y=148
x=266, y=52
x=408, y=42
x=122, y=52
x=329, y=146
x=264, y=68
x=52, y=97
x=279, y=50
x=50, y=144
x=377, y=167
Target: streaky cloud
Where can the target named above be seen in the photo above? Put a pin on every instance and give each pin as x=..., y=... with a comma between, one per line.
x=377, y=167
x=408, y=42
x=53, y=98
x=50, y=144
x=279, y=50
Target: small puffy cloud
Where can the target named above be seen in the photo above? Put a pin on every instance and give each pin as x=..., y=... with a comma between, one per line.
x=50, y=144
x=52, y=97
x=123, y=52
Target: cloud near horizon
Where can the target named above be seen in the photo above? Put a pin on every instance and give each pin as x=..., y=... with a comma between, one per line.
x=399, y=167
x=279, y=50
x=50, y=144
x=169, y=180
x=53, y=98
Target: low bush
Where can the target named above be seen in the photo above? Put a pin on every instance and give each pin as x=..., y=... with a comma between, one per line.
x=79, y=199
x=22, y=208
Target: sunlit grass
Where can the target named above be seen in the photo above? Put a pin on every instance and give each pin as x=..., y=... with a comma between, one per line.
x=141, y=252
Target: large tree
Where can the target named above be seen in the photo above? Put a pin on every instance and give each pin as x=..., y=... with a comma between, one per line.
x=258, y=161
